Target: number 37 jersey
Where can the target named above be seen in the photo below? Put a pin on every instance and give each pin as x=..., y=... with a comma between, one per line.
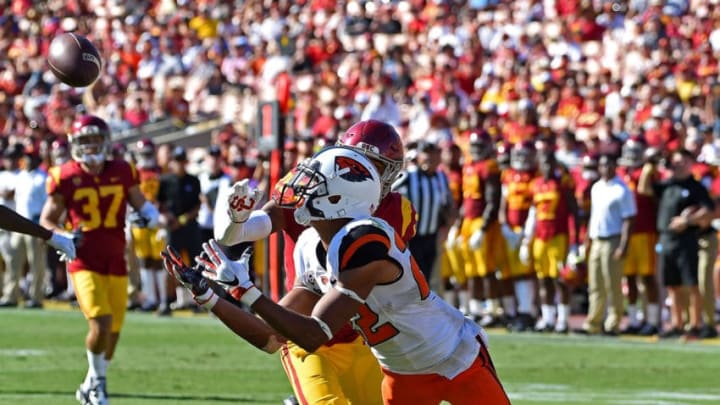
x=408, y=327
x=96, y=204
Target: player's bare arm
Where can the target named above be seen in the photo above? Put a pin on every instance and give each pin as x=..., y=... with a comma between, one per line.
x=333, y=310
x=14, y=222
x=145, y=208
x=492, y=193
x=52, y=211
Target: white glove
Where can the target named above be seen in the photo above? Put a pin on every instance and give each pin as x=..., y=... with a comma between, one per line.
x=242, y=201
x=512, y=238
x=64, y=242
x=573, y=258
x=524, y=253
x=452, y=237
x=150, y=214
x=476, y=239
x=234, y=277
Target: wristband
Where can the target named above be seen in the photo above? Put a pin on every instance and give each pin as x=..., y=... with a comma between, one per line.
x=247, y=296
x=207, y=300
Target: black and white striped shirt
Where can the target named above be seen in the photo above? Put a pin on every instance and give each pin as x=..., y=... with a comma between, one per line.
x=429, y=195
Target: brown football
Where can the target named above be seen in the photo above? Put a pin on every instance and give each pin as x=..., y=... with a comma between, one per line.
x=74, y=60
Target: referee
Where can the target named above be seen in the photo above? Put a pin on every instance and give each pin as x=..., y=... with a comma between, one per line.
x=428, y=191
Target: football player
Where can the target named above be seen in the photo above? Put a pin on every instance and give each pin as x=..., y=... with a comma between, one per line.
x=352, y=266
x=640, y=260
x=149, y=242
x=325, y=374
x=480, y=231
x=94, y=191
x=452, y=266
x=514, y=209
x=546, y=239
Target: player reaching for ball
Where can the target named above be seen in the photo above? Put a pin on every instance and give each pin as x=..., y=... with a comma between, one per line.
x=354, y=267
x=94, y=191
x=342, y=369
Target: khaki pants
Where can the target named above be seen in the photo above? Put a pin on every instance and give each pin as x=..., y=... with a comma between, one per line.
x=31, y=250
x=707, y=252
x=604, y=286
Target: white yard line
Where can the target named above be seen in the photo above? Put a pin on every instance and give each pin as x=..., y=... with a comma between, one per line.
x=559, y=393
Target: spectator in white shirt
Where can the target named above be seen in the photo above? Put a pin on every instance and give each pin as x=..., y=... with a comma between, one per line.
x=30, y=195
x=611, y=215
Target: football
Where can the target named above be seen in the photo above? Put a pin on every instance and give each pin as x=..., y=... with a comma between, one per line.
x=74, y=60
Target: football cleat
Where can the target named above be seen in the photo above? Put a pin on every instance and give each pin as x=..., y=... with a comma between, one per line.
x=95, y=395
x=648, y=329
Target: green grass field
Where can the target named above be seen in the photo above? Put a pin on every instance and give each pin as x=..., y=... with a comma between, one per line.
x=195, y=360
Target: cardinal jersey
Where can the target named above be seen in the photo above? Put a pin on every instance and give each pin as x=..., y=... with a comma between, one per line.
x=149, y=183
x=408, y=327
x=551, y=206
x=455, y=179
x=474, y=176
x=646, y=205
x=96, y=205
x=518, y=195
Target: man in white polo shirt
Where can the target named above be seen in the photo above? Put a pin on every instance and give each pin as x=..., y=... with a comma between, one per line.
x=611, y=215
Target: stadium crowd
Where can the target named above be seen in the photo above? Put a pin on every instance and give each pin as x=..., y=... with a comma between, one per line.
x=579, y=78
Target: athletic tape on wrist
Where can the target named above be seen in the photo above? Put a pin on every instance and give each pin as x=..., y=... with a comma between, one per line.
x=325, y=328
x=250, y=296
x=207, y=300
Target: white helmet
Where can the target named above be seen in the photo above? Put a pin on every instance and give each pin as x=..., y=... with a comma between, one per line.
x=337, y=182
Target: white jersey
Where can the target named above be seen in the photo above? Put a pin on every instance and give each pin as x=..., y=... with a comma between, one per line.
x=408, y=327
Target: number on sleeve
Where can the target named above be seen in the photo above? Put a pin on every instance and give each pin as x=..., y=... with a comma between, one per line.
x=423, y=287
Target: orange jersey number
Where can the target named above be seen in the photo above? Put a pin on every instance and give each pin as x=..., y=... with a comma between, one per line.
x=90, y=198
x=366, y=320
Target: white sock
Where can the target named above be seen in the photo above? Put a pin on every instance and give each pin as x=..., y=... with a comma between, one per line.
x=548, y=313
x=97, y=366
x=181, y=298
x=70, y=289
x=464, y=301
x=161, y=280
x=717, y=304
x=563, y=313
x=632, y=315
x=148, y=286
x=475, y=306
x=525, y=294
x=653, y=314
x=509, y=307
x=492, y=306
